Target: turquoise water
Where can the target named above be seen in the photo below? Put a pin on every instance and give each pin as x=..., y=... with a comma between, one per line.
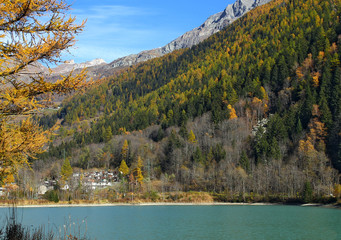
x=190, y=222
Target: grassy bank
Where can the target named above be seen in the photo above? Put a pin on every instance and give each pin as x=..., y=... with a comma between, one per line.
x=176, y=198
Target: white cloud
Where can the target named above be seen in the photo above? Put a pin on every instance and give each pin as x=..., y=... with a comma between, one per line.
x=111, y=31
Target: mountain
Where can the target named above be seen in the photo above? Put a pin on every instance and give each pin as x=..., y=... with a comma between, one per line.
x=71, y=65
x=254, y=110
x=215, y=23
x=29, y=71
x=53, y=74
x=212, y=25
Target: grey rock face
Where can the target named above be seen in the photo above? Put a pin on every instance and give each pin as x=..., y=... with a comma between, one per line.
x=135, y=58
x=213, y=24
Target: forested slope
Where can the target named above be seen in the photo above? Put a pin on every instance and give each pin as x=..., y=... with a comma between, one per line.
x=256, y=107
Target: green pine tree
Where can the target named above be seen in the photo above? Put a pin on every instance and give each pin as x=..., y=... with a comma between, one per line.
x=107, y=134
x=244, y=161
x=198, y=156
x=326, y=115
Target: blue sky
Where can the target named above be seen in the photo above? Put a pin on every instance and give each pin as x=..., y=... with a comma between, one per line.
x=118, y=28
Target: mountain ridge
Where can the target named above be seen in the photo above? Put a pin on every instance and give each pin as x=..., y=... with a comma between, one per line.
x=213, y=24
x=69, y=66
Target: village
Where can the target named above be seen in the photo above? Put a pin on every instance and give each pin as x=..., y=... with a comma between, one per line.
x=88, y=181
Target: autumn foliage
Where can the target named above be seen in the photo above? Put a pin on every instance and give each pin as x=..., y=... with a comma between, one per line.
x=262, y=97
x=31, y=32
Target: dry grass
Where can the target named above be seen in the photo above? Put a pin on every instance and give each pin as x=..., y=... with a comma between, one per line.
x=24, y=202
x=190, y=197
x=169, y=197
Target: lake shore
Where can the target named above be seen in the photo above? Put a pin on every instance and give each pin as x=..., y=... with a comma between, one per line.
x=133, y=204
x=63, y=205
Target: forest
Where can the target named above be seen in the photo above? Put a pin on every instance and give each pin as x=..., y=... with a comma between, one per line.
x=252, y=112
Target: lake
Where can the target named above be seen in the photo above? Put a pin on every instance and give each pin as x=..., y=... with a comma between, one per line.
x=189, y=222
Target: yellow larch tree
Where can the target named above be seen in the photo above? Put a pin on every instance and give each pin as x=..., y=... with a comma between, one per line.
x=66, y=170
x=232, y=112
x=310, y=148
x=124, y=169
x=31, y=32
x=191, y=137
x=264, y=94
x=125, y=150
x=316, y=81
x=139, y=175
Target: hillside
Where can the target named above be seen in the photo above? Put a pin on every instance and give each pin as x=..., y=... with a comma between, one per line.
x=212, y=25
x=255, y=108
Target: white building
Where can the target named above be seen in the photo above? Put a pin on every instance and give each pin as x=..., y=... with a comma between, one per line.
x=42, y=189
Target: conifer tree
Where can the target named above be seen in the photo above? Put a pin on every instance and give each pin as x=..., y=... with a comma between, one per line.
x=283, y=71
x=66, y=170
x=124, y=169
x=264, y=95
x=191, y=137
x=198, y=156
x=183, y=131
x=244, y=161
x=299, y=127
x=139, y=175
x=326, y=115
x=107, y=134
x=231, y=94
x=232, y=112
x=125, y=150
x=274, y=151
x=30, y=31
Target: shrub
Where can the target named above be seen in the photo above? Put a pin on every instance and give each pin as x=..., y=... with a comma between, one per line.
x=52, y=196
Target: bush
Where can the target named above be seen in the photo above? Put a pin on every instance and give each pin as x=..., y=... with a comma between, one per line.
x=153, y=195
x=52, y=196
x=220, y=197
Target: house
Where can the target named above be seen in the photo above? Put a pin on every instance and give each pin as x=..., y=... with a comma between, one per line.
x=42, y=189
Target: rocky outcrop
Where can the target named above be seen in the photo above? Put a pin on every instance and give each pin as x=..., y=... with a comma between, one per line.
x=136, y=58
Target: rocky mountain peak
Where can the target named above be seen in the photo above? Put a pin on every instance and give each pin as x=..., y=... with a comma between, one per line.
x=68, y=66
x=213, y=24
